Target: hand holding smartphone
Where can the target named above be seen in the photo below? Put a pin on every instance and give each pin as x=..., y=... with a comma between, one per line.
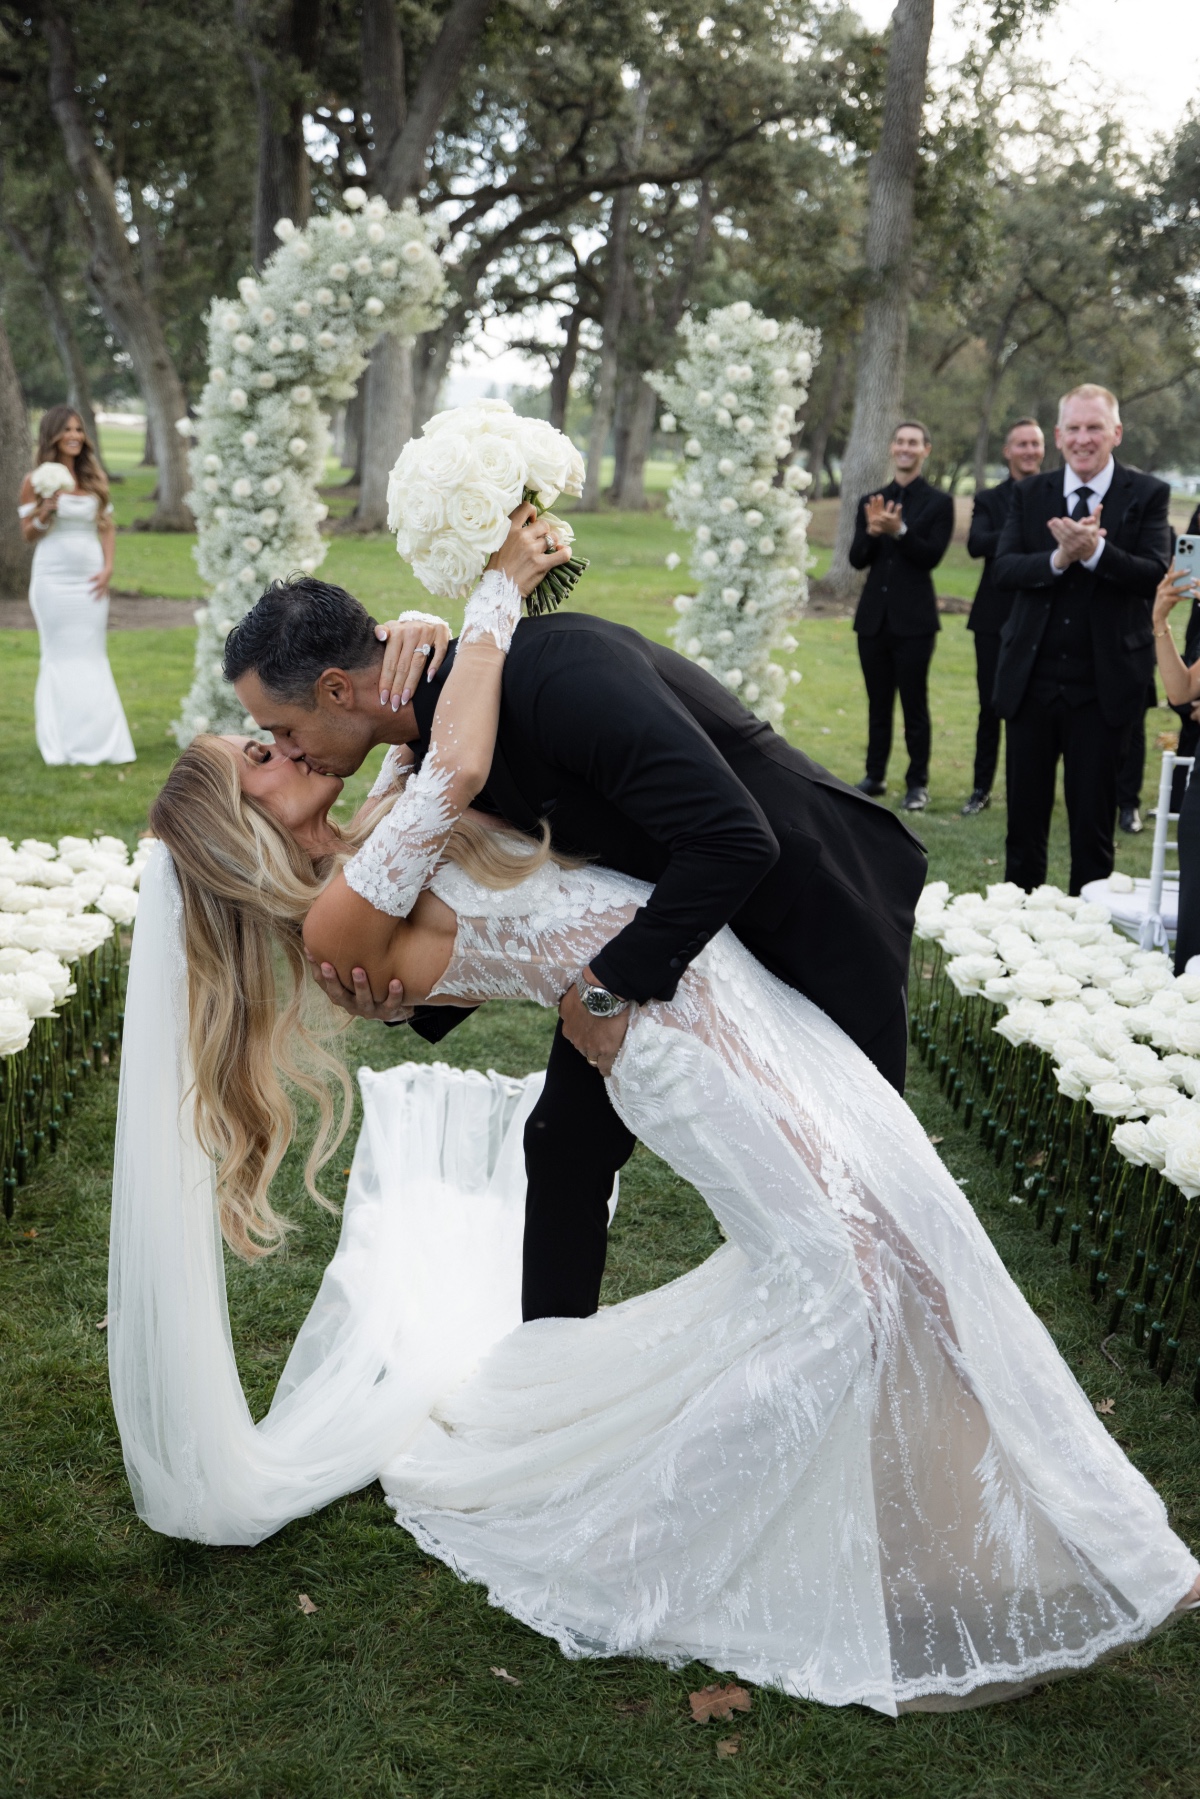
x=1187, y=559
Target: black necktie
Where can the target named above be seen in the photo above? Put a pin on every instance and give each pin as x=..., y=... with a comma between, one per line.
x=1084, y=508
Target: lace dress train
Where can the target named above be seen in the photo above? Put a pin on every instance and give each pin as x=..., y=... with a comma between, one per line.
x=843, y=1456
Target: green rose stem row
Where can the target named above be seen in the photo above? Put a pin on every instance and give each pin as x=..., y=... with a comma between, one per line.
x=39, y=1084
x=1136, y=1233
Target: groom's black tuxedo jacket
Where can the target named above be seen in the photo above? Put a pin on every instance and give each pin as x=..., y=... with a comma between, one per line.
x=1116, y=595
x=644, y=763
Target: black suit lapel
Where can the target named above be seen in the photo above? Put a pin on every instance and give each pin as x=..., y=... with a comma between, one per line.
x=1116, y=500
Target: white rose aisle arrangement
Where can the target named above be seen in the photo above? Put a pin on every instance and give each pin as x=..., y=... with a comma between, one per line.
x=61, y=984
x=453, y=488
x=296, y=338
x=734, y=395
x=1080, y=1053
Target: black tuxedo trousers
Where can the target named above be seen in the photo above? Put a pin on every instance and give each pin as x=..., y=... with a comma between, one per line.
x=642, y=762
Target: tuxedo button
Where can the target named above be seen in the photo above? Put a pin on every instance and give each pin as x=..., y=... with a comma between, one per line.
x=675, y=962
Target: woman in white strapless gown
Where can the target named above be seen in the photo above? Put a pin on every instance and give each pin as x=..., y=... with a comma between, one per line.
x=77, y=710
x=842, y=1457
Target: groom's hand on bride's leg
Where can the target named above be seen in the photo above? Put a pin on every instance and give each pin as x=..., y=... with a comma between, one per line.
x=598, y=1040
x=359, y=1001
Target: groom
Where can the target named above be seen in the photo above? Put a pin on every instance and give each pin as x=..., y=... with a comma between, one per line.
x=640, y=761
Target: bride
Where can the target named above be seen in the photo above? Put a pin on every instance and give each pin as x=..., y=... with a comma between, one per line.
x=842, y=1456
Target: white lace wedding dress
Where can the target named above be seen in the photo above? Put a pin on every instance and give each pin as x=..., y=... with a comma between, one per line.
x=843, y=1456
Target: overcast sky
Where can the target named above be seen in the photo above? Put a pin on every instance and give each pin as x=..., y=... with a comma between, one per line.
x=1146, y=54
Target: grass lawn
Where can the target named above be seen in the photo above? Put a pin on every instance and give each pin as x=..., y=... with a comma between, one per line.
x=137, y=1667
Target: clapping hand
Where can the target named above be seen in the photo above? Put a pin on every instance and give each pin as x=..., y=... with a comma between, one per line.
x=883, y=517
x=1078, y=539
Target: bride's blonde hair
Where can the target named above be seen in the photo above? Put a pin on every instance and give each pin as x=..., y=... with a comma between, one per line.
x=255, y=1021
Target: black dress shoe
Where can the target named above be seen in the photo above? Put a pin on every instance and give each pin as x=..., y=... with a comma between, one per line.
x=874, y=789
x=915, y=800
x=1130, y=819
x=979, y=801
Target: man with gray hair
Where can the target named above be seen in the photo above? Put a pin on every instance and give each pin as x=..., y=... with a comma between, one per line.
x=1083, y=550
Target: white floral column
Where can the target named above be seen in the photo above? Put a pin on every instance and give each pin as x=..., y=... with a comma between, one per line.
x=735, y=393
x=296, y=337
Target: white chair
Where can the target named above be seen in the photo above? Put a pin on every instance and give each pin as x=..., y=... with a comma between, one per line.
x=1148, y=910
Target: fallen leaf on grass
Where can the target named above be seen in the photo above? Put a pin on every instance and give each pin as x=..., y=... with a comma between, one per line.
x=937, y=1139
x=29, y=1233
x=103, y=1323
x=1105, y=1406
x=990, y=861
x=718, y=1702
x=503, y=1674
x=1037, y=1160
x=728, y=1746
x=634, y=1708
x=306, y=1605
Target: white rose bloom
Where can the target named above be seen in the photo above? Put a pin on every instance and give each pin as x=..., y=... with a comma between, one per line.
x=339, y=271
x=741, y=310
x=363, y=265
x=326, y=340
x=1069, y=1084
x=272, y=485
x=712, y=341
x=413, y=251
x=242, y=488
x=302, y=308
x=16, y=1027
x=373, y=306
x=297, y=446
x=119, y=904
x=243, y=343
x=703, y=534
x=766, y=546
x=768, y=331
x=249, y=440
x=734, y=678
x=266, y=380
x=736, y=548
x=354, y=198
x=238, y=398
x=723, y=417
x=731, y=595
x=212, y=463
x=324, y=296
x=709, y=559
x=1182, y=1164
x=455, y=566
x=724, y=637
x=1159, y=1099
x=375, y=232
x=672, y=562
x=343, y=228
x=388, y=267
x=447, y=460
x=693, y=646
x=276, y=345
x=754, y=517
x=745, y=425
x=302, y=395
x=1129, y=1140
x=683, y=602
x=727, y=504
x=297, y=342
x=478, y=513
x=1113, y=1099
x=500, y=462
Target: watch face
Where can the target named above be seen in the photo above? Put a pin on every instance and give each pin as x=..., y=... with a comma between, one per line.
x=600, y=1004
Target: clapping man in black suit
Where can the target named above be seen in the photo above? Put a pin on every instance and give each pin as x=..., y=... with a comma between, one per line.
x=1082, y=551
x=1024, y=452
x=640, y=761
x=900, y=536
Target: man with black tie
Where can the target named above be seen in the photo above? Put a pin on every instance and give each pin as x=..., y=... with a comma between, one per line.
x=1023, y=453
x=1083, y=550
x=900, y=535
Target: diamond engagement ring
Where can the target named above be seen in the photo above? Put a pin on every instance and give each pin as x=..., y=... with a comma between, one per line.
x=423, y=649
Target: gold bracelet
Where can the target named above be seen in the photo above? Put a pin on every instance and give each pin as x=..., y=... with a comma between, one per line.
x=1165, y=633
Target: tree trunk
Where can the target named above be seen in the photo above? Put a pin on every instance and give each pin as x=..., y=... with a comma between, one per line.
x=564, y=368
x=627, y=386
x=402, y=132
x=630, y=491
x=149, y=455
x=818, y=443
x=282, y=187
x=16, y=460
x=131, y=317
x=883, y=345
x=387, y=427
x=79, y=387
x=604, y=396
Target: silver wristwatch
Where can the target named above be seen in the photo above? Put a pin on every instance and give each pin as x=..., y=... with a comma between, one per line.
x=598, y=1000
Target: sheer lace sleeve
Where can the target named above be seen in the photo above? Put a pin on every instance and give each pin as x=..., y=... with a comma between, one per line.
x=25, y=510
x=392, y=774
x=402, y=851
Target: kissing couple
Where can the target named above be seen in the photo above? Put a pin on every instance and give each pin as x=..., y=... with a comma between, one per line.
x=842, y=1456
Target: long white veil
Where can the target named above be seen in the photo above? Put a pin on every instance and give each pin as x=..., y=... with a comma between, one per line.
x=375, y=1351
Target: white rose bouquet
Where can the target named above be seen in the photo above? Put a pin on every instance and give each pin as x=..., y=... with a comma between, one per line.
x=453, y=488
x=49, y=478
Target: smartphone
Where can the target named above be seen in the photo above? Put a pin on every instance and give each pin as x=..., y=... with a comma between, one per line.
x=1187, y=556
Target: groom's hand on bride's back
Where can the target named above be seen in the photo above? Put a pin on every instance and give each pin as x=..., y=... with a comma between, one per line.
x=359, y=1001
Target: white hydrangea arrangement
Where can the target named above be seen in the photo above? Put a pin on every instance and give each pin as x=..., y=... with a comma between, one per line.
x=1121, y=1030
x=58, y=903
x=735, y=395
x=453, y=488
x=296, y=337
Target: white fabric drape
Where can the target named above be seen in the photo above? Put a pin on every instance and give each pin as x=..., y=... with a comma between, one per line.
x=362, y=1375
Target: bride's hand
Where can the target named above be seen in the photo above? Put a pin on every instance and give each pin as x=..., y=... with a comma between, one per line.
x=415, y=645
x=525, y=556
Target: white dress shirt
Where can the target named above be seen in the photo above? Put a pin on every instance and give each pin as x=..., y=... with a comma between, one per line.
x=1099, y=485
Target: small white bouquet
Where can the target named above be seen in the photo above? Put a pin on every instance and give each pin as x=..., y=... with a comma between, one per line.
x=452, y=490
x=49, y=478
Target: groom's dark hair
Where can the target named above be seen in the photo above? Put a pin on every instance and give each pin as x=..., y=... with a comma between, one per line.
x=298, y=629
